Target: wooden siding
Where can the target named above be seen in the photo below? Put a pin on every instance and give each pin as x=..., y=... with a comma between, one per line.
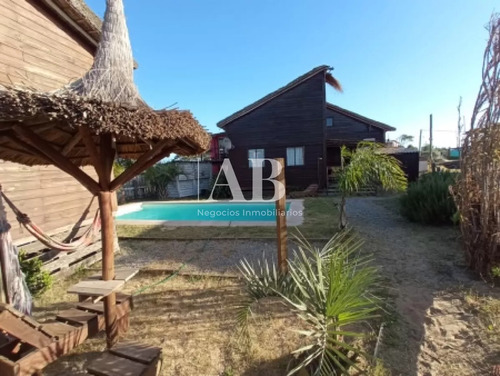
x=349, y=129
x=292, y=119
x=36, y=50
x=51, y=199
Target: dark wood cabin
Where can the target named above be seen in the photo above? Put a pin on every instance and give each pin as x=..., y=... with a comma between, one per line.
x=45, y=44
x=298, y=124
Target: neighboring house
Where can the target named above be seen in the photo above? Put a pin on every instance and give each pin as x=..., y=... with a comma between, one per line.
x=45, y=44
x=296, y=123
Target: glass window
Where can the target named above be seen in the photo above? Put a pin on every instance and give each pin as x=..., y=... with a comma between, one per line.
x=253, y=154
x=295, y=156
x=329, y=122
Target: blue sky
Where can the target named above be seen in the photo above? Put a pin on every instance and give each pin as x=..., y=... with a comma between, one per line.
x=398, y=60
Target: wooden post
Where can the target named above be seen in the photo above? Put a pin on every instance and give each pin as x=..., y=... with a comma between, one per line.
x=281, y=229
x=108, y=265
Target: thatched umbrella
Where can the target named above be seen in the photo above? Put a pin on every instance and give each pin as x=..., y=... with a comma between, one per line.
x=91, y=122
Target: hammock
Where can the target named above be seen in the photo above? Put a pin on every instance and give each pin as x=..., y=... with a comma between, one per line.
x=85, y=240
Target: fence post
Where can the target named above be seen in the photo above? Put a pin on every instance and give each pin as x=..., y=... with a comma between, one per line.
x=281, y=229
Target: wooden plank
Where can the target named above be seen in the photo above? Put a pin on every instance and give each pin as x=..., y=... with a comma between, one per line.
x=112, y=365
x=42, y=29
x=96, y=287
x=35, y=361
x=58, y=329
x=120, y=275
x=8, y=367
x=281, y=220
x=18, y=328
x=97, y=308
x=145, y=354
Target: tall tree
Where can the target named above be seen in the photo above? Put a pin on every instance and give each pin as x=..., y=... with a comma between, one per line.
x=405, y=138
x=364, y=166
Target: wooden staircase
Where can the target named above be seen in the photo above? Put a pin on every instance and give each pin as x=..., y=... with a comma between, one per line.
x=27, y=346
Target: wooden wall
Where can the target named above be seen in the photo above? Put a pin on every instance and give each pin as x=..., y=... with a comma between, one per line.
x=292, y=119
x=349, y=129
x=51, y=198
x=36, y=50
x=39, y=52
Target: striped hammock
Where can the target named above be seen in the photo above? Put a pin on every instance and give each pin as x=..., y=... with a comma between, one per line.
x=87, y=238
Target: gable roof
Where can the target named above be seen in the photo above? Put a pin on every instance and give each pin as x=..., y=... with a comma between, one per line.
x=360, y=118
x=274, y=94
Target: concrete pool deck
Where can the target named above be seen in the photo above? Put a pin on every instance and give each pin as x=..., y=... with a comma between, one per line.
x=296, y=206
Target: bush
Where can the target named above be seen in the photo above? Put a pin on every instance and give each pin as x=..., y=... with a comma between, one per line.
x=332, y=290
x=37, y=280
x=429, y=201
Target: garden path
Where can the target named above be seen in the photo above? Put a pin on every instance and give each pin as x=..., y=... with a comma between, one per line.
x=436, y=330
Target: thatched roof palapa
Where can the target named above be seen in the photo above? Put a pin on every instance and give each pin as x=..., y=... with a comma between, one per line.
x=95, y=119
x=104, y=101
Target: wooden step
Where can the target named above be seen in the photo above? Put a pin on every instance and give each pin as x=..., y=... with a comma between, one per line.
x=136, y=351
x=73, y=316
x=112, y=365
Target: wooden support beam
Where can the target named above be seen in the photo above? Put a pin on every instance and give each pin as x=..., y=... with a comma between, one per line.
x=108, y=154
x=13, y=138
x=46, y=150
x=281, y=229
x=149, y=158
x=94, y=154
x=71, y=144
x=108, y=266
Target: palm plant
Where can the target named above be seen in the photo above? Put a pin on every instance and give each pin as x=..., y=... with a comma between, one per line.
x=159, y=176
x=331, y=290
x=367, y=165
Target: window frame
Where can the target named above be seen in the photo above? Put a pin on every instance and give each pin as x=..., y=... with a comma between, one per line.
x=294, y=149
x=329, y=118
x=255, y=155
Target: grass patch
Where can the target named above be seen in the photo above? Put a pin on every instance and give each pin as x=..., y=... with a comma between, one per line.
x=320, y=222
x=487, y=310
x=193, y=320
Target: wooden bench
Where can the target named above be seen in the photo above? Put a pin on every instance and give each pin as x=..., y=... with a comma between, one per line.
x=128, y=359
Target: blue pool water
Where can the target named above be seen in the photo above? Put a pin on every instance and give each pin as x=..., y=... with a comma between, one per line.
x=205, y=211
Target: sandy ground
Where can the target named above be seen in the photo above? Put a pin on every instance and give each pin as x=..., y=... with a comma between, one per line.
x=434, y=330
x=433, y=325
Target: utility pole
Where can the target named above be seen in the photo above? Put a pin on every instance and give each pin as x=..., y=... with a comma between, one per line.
x=420, y=144
x=433, y=166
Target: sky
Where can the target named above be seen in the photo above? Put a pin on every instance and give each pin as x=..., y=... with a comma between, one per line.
x=398, y=60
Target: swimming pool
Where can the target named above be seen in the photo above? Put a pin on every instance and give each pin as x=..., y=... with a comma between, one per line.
x=207, y=212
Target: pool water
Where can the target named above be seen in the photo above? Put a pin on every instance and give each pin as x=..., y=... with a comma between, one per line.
x=205, y=211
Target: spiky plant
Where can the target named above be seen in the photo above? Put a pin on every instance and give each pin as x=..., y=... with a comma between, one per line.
x=331, y=289
x=367, y=165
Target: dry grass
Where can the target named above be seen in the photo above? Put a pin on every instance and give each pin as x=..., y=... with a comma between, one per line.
x=193, y=320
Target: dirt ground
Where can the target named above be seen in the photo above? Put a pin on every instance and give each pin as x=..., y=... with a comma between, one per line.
x=445, y=321
x=440, y=319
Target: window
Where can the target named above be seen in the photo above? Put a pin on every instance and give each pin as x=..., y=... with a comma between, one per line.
x=255, y=153
x=295, y=156
x=329, y=122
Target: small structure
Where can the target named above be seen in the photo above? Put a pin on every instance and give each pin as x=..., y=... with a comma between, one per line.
x=94, y=120
x=296, y=123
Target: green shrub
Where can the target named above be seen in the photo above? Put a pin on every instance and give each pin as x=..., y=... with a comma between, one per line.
x=332, y=290
x=429, y=201
x=38, y=280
